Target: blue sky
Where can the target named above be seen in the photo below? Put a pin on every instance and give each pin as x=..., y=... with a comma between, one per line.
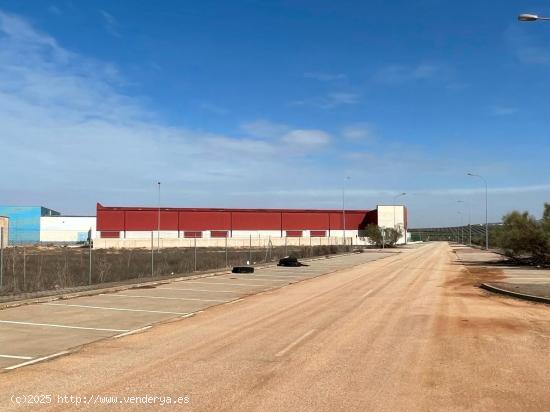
x=274, y=103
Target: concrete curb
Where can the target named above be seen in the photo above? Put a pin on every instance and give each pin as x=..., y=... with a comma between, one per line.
x=518, y=295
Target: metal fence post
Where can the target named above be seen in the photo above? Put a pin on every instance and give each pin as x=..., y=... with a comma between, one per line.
x=90, y=264
x=152, y=255
x=250, y=250
x=226, y=259
x=195, y=256
x=24, y=268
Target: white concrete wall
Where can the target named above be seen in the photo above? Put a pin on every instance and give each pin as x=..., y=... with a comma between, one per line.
x=66, y=228
x=4, y=226
x=256, y=233
x=220, y=242
x=392, y=216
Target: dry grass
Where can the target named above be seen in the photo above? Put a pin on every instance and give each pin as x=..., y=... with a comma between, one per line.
x=33, y=269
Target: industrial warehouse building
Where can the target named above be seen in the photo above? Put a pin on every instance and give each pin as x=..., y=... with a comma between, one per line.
x=139, y=226
x=29, y=225
x=121, y=227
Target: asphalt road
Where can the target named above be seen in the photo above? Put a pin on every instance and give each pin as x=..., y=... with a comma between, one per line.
x=409, y=332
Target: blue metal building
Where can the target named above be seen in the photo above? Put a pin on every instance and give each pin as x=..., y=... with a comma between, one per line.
x=24, y=221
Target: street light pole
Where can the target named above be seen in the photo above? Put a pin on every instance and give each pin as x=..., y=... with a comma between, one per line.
x=158, y=220
x=486, y=209
x=344, y=206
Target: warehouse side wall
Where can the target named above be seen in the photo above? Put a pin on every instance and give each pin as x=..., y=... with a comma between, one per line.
x=66, y=229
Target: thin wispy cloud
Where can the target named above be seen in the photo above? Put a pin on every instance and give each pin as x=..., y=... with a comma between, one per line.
x=527, y=47
x=63, y=112
x=389, y=192
x=398, y=74
x=55, y=10
x=110, y=23
x=330, y=101
x=503, y=110
x=214, y=108
x=359, y=132
x=307, y=138
x=325, y=77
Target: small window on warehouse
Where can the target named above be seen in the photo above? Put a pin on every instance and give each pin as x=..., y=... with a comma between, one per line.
x=218, y=233
x=294, y=233
x=192, y=235
x=318, y=233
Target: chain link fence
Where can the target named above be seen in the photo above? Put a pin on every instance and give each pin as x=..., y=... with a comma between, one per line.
x=25, y=269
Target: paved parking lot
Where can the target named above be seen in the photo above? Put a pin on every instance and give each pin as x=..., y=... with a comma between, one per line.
x=31, y=333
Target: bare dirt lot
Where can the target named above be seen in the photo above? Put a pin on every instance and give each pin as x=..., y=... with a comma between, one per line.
x=408, y=332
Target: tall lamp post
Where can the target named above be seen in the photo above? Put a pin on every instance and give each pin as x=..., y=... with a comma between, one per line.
x=469, y=220
x=158, y=219
x=486, y=218
x=344, y=206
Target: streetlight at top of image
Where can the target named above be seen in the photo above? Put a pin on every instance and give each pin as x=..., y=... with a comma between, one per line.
x=486, y=209
x=344, y=205
x=528, y=17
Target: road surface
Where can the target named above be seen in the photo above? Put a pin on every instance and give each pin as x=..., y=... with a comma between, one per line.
x=409, y=332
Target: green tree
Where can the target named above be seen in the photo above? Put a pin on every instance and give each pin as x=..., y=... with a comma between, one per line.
x=386, y=237
x=522, y=235
x=374, y=235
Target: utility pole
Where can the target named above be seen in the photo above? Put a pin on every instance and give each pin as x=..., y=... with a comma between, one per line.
x=158, y=220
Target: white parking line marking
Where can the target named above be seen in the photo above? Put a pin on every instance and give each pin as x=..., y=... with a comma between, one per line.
x=276, y=275
x=234, y=301
x=201, y=290
x=19, y=365
x=296, y=342
x=262, y=280
x=51, y=325
x=223, y=283
x=366, y=294
x=16, y=357
x=120, y=309
x=275, y=278
x=131, y=332
x=162, y=297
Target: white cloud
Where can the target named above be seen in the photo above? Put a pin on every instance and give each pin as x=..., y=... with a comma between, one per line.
x=503, y=110
x=307, y=138
x=527, y=48
x=70, y=137
x=358, y=132
x=325, y=77
x=330, y=101
x=264, y=129
x=397, y=74
x=214, y=108
x=110, y=23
